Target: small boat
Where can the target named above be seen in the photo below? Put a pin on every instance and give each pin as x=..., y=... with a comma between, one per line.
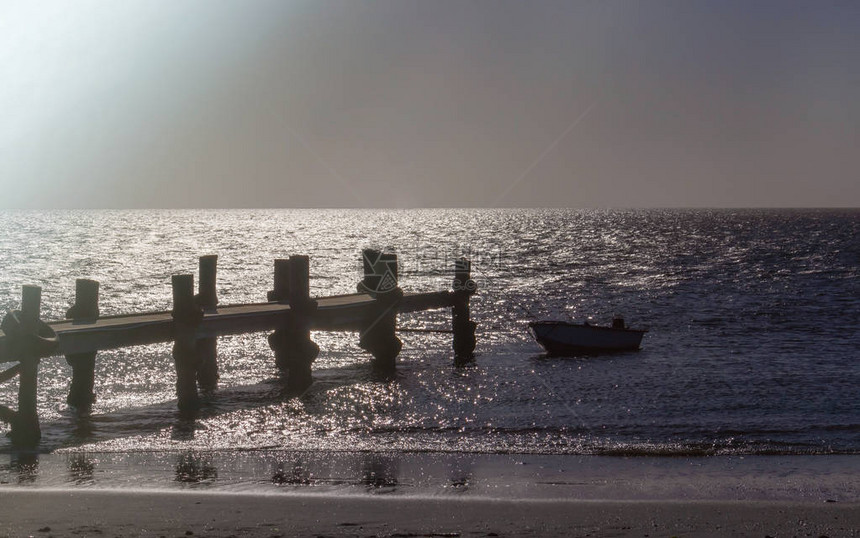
x=564, y=338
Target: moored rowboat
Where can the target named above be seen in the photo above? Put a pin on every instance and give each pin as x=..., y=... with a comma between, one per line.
x=562, y=337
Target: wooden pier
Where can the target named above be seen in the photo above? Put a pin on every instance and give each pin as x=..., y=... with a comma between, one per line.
x=197, y=320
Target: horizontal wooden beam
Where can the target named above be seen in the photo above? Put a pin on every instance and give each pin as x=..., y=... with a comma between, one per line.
x=6, y=375
x=7, y=414
x=337, y=313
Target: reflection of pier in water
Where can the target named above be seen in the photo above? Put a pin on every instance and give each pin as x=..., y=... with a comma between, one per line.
x=379, y=473
x=24, y=466
x=298, y=475
x=461, y=476
x=194, y=468
x=298, y=471
x=81, y=469
x=75, y=430
x=197, y=320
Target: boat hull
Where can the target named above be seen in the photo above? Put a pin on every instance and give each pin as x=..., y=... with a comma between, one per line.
x=562, y=338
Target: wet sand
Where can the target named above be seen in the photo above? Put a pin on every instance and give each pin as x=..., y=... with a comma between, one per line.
x=402, y=495
x=806, y=479
x=166, y=513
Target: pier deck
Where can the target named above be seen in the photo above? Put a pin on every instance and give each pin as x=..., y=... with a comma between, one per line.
x=335, y=313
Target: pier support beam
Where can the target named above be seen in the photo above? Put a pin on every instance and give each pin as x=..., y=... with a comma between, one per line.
x=186, y=316
x=27, y=338
x=463, y=326
x=86, y=308
x=292, y=344
x=379, y=333
x=26, y=430
x=207, y=348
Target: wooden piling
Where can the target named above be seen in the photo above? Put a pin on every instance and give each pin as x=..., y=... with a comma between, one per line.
x=378, y=336
x=86, y=308
x=25, y=431
x=462, y=325
x=370, y=281
x=302, y=308
x=292, y=344
x=186, y=316
x=207, y=296
x=31, y=303
x=281, y=289
x=380, y=272
x=207, y=348
x=299, y=291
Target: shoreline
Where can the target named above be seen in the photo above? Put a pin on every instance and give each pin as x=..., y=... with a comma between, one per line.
x=503, y=477
x=160, y=513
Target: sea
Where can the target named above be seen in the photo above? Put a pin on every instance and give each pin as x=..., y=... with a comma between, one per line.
x=753, y=347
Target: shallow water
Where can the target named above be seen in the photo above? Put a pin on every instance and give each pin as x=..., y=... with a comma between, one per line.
x=753, y=318
x=445, y=475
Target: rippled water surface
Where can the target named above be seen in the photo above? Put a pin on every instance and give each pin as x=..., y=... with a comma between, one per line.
x=753, y=320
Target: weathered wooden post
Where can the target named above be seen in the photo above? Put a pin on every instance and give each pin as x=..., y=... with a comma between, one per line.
x=85, y=309
x=370, y=281
x=207, y=348
x=292, y=344
x=25, y=429
x=28, y=338
x=302, y=308
x=379, y=333
x=463, y=327
x=281, y=291
x=186, y=316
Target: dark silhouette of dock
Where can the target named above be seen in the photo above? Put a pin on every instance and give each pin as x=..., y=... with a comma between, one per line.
x=197, y=320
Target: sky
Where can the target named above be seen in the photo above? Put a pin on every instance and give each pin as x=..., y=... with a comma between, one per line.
x=351, y=103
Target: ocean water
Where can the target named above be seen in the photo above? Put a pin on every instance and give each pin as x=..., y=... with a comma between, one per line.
x=752, y=349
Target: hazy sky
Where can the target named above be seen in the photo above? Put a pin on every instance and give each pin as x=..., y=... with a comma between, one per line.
x=247, y=103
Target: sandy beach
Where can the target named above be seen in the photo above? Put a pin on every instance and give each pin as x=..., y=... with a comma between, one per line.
x=356, y=494
x=162, y=513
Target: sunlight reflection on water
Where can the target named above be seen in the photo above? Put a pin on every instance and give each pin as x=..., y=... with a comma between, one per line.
x=743, y=356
